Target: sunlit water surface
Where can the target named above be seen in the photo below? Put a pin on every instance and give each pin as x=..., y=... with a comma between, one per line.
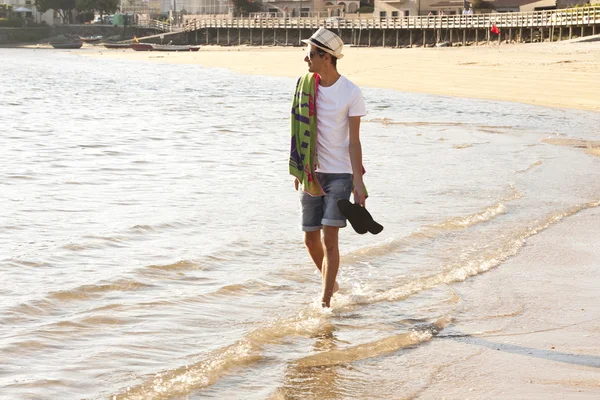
x=150, y=241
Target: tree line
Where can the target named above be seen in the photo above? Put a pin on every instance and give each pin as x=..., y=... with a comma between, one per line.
x=65, y=8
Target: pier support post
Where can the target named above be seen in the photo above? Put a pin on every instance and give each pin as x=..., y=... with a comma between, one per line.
x=410, y=42
x=593, y=29
x=228, y=37
x=582, y=31
x=383, y=43
x=424, y=37
x=570, y=32
x=286, y=36
x=196, y=37
x=531, y=35
x=476, y=37
x=369, y=38
x=560, y=34
x=274, y=36
x=451, y=36
x=397, y=31
x=262, y=36
x=510, y=39
x=251, y=37
x=488, y=35
x=500, y=37
x=239, y=37
x=520, y=35
x=464, y=37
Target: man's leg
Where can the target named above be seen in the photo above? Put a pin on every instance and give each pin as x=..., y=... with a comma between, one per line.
x=312, y=241
x=331, y=262
x=315, y=247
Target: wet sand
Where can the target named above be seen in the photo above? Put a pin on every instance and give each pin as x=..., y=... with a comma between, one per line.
x=547, y=74
x=536, y=323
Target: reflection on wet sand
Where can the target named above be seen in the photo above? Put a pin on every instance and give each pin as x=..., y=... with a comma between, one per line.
x=320, y=375
x=314, y=381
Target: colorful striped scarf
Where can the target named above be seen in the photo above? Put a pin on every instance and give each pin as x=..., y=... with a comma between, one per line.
x=303, y=158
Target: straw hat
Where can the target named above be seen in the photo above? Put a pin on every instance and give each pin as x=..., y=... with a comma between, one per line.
x=326, y=41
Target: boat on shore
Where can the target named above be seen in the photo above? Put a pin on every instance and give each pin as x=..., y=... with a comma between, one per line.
x=91, y=39
x=161, y=47
x=141, y=46
x=66, y=45
x=174, y=47
x=117, y=45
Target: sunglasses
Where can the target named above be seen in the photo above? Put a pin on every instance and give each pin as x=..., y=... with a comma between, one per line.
x=311, y=54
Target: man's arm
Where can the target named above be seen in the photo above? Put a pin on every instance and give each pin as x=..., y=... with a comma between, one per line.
x=356, y=160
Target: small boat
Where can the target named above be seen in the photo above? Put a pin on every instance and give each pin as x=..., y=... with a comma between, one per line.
x=90, y=39
x=141, y=46
x=117, y=45
x=67, y=45
x=174, y=47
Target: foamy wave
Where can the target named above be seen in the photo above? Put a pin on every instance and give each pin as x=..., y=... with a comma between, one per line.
x=513, y=195
x=529, y=168
x=180, y=381
x=478, y=264
x=469, y=220
x=176, y=266
x=220, y=362
x=56, y=300
x=85, y=292
x=484, y=128
x=434, y=231
x=377, y=348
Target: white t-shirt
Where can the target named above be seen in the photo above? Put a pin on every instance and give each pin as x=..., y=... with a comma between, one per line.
x=335, y=104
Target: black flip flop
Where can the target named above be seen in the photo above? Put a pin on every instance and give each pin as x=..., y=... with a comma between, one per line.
x=359, y=217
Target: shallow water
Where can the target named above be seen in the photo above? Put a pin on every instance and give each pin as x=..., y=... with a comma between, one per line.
x=151, y=246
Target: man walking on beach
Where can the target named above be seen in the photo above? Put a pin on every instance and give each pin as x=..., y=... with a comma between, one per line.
x=326, y=153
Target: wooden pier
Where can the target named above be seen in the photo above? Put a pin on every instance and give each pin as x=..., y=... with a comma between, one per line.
x=551, y=25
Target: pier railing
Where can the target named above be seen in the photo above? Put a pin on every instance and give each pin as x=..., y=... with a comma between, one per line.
x=158, y=25
x=585, y=16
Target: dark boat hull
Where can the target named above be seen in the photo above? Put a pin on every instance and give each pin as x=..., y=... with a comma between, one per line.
x=76, y=45
x=117, y=45
x=172, y=47
x=141, y=46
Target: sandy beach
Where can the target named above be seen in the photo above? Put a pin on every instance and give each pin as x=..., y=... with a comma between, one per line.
x=541, y=339
x=565, y=75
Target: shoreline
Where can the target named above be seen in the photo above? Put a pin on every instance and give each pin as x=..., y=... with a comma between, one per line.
x=557, y=75
x=534, y=322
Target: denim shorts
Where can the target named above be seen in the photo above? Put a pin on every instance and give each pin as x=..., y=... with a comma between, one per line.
x=323, y=210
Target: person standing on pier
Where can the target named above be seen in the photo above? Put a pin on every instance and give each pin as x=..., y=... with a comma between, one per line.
x=328, y=107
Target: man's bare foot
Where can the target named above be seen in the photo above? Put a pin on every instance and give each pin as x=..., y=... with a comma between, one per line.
x=325, y=303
